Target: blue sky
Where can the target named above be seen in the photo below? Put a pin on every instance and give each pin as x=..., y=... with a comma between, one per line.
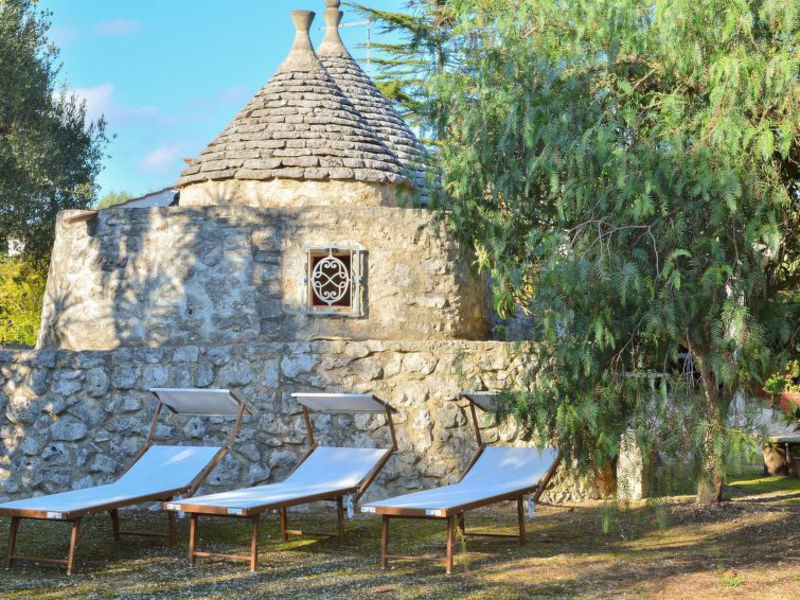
x=170, y=74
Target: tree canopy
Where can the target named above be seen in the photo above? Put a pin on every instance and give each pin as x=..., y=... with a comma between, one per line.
x=50, y=153
x=420, y=48
x=627, y=170
x=113, y=198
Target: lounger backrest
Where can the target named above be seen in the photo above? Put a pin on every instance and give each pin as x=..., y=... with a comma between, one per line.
x=167, y=468
x=515, y=468
x=337, y=468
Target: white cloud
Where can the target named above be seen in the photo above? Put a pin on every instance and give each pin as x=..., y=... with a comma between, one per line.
x=117, y=27
x=100, y=101
x=162, y=158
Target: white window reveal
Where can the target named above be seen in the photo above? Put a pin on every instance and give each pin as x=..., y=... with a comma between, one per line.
x=335, y=280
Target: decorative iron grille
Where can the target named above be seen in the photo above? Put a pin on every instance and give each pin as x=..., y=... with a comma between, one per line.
x=335, y=280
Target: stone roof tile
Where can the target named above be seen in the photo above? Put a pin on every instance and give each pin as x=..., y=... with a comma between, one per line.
x=369, y=101
x=302, y=105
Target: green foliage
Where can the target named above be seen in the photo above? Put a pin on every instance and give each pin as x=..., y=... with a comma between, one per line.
x=22, y=286
x=732, y=580
x=422, y=49
x=792, y=418
x=627, y=170
x=786, y=380
x=49, y=153
x=113, y=198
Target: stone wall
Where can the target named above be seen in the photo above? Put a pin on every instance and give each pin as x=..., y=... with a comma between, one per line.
x=72, y=419
x=291, y=193
x=149, y=277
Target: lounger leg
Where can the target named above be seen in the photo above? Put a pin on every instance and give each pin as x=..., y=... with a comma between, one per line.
x=192, y=538
x=385, y=542
x=521, y=519
x=284, y=535
x=73, y=546
x=340, y=517
x=12, y=541
x=254, y=543
x=114, y=524
x=449, y=559
x=173, y=528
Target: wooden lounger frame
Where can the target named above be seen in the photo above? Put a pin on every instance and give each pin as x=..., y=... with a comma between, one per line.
x=74, y=517
x=454, y=516
x=254, y=513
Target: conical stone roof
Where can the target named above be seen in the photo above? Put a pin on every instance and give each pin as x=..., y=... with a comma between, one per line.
x=368, y=100
x=300, y=125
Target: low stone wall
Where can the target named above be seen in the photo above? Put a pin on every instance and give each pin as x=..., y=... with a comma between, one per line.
x=73, y=419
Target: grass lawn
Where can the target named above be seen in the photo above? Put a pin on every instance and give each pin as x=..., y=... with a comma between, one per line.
x=748, y=548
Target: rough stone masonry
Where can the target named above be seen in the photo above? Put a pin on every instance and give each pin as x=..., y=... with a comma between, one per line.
x=74, y=419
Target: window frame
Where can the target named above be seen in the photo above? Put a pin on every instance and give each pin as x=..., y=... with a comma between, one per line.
x=357, y=272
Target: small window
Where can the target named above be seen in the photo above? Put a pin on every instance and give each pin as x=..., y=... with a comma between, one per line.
x=334, y=280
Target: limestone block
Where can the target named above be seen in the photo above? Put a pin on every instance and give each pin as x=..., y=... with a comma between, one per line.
x=235, y=373
x=66, y=383
x=186, y=354
x=450, y=415
x=154, y=376
x=55, y=453
x=57, y=405
x=23, y=410
x=249, y=451
x=39, y=381
x=30, y=446
x=292, y=366
x=204, y=375
x=68, y=429
x=97, y=382
x=102, y=464
x=258, y=474
x=195, y=428
x=180, y=376
x=126, y=377
x=82, y=483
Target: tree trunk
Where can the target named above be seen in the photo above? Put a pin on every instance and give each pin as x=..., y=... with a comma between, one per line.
x=710, y=480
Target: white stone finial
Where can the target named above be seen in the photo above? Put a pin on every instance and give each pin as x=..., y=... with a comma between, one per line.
x=332, y=45
x=302, y=23
x=302, y=53
x=332, y=3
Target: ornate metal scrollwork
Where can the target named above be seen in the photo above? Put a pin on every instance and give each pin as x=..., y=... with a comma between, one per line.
x=330, y=279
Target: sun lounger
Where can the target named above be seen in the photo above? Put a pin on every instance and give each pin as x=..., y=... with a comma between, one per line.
x=324, y=473
x=493, y=475
x=156, y=473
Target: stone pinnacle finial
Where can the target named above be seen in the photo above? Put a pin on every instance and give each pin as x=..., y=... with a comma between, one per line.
x=332, y=45
x=302, y=55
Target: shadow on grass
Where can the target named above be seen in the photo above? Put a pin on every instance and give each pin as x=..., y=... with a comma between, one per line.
x=567, y=556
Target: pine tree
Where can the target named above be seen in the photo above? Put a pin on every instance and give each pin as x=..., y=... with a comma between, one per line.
x=422, y=50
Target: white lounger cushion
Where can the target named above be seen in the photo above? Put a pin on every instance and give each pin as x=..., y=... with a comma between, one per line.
x=160, y=469
x=327, y=469
x=497, y=472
